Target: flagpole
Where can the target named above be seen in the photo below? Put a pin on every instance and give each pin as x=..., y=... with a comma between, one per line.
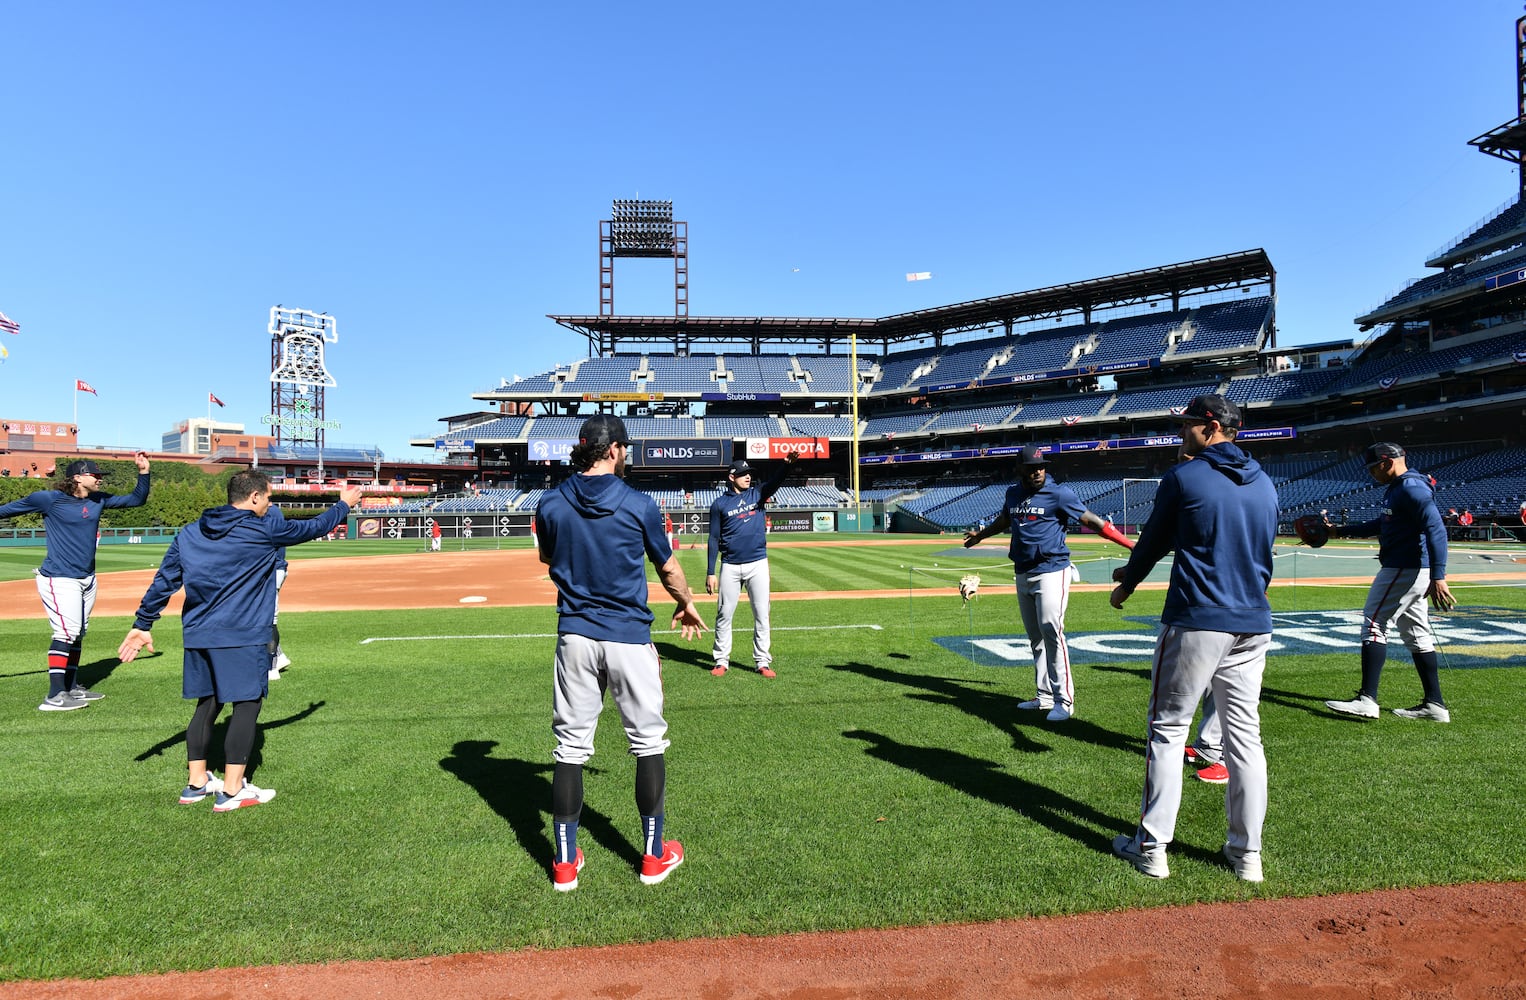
x=76, y=406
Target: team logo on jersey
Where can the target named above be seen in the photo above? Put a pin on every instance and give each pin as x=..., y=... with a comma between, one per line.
x=1467, y=638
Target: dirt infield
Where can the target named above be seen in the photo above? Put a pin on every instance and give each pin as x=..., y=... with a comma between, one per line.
x=1456, y=941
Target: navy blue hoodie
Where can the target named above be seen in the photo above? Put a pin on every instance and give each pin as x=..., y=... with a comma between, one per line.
x=594, y=532
x=227, y=563
x=1219, y=514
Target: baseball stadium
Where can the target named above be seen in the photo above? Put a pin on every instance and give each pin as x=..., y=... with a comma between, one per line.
x=882, y=819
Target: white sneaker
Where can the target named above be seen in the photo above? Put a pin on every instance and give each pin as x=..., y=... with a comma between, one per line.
x=1035, y=705
x=1425, y=710
x=1151, y=863
x=248, y=795
x=1361, y=706
x=1247, y=864
x=282, y=661
x=1058, y=714
x=274, y=674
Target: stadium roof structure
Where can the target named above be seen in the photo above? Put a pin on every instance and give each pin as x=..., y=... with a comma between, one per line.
x=1080, y=298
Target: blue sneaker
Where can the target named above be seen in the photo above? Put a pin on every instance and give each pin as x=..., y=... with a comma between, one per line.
x=190, y=794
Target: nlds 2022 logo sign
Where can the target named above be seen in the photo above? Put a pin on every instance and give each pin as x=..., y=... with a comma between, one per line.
x=1466, y=637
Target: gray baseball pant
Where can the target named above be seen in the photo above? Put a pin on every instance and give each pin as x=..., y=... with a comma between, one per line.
x=584, y=668
x=1042, y=599
x=1398, y=596
x=1189, y=663
x=733, y=577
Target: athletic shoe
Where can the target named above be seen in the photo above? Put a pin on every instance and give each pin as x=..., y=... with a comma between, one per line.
x=190, y=794
x=61, y=702
x=282, y=661
x=81, y=693
x=1361, y=706
x=1151, y=863
x=767, y=672
x=1214, y=774
x=1035, y=706
x=564, y=874
x=249, y=795
x=1425, y=710
x=654, y=869
x=1247, y=864
x=1058, y=713
x=273, y=674
x=718, y=671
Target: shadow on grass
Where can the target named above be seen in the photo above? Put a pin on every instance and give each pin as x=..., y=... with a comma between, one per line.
x=220, y=736
x=520, y=792
x=92, y=673
x=986, y=780
x=696, y=654
x=999, y=709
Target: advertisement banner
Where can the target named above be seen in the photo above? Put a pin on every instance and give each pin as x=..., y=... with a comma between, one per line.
x=766, y=449
x=551, y=449
x=790, y=520
x=823, y=520
x=681, y=453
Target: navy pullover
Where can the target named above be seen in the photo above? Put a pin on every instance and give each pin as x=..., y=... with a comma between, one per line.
x=227, y=564
x=72, y=524
x=1219, y=514
x=1410, y=531
x=738, y=529
x=594, y=532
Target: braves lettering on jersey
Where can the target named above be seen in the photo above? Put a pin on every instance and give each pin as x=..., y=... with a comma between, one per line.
x=738, y=531
x=1038, y=521
x=72, y=524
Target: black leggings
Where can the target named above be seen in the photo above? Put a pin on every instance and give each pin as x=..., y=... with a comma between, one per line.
x=239, y=743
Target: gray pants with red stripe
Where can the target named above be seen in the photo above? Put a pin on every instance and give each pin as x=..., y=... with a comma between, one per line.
x=585, y=668
x=1042, y=599
x=68, y=602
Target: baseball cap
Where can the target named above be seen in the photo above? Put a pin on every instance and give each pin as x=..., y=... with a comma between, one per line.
x=739, y=468
x=1214, y=407
x=1375, y=453
x=82, y=467
x=603, y=429
x=1032, y=456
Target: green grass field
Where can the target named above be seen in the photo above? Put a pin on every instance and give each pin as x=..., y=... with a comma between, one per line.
x=881, y=780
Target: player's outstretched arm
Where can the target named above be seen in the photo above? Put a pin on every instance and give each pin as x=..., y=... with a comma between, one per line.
x=1106, y=530
x=977, y=535
x=686, y=617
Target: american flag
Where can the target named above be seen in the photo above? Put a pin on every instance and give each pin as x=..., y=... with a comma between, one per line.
x=9, y=325
x=80, y=385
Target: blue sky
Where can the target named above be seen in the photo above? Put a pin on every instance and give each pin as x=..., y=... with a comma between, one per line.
x=433, y=174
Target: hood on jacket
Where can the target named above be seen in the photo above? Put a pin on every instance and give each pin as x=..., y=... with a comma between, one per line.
x=594, y=496
x=218, y=521
x=1229, y=460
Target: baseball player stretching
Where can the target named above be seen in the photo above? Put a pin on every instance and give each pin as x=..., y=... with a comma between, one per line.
x=226, y=561
x=738, y=535
x=71, y=514
x=1219, y=514
x=1037, y=511
x=594, y=532
x=1412, y=554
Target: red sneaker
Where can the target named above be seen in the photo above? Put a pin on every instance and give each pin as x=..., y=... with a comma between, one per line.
x=767, y=672
x=1192, y=756
x=564, y=874
x=718, y=671
x=1214, y=774
x=654, y=870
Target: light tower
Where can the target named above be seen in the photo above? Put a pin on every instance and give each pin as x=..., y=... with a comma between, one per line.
x=643, y=229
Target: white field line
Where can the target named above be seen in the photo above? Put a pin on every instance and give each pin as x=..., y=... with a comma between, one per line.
x=552, y=635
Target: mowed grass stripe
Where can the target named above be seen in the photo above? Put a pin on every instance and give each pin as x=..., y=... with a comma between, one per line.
x=414, y=788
